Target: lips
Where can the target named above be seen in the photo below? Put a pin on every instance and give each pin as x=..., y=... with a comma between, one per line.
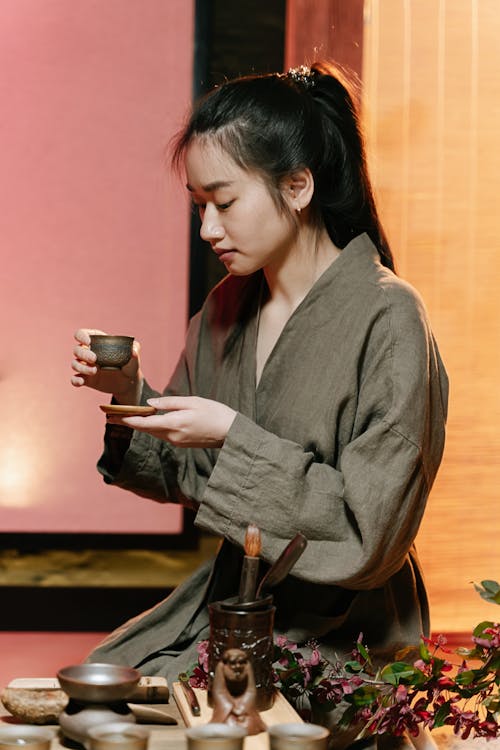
x=224, y=254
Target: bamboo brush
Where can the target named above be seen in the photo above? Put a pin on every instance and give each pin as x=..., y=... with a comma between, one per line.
x=250, y=569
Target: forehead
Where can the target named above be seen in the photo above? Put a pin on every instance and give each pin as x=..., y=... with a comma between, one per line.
x=208, y=165
x=233, y=655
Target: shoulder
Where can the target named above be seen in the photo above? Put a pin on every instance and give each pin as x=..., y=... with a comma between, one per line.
x=380, y=290
x=401, y=300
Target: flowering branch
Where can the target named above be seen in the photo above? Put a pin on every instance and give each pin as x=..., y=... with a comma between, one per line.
x=403, y=696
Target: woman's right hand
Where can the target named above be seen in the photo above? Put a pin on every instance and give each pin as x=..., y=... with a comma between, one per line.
x=125, y=384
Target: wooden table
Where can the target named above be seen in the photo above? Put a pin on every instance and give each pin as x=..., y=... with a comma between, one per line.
x=173, y=737
x=162, y=737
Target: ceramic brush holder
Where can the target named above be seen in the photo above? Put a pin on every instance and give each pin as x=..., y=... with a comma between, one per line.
x=233, y=626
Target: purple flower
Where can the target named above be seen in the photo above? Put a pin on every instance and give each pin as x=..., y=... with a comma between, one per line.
x=202, y=649
x=199, y=678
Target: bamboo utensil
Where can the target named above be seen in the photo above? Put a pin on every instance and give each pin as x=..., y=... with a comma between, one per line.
x=283, y=564
x=250, y=568
x=191, y=698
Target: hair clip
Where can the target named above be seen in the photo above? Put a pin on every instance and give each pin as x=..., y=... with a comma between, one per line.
x=302, y=75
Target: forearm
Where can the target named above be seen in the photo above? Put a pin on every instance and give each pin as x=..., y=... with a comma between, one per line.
x=153, y=468
x=360, y=520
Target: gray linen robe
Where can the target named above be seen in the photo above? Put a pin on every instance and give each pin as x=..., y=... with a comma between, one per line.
x=341, y=439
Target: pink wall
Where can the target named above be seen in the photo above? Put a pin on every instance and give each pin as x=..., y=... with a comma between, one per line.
x=93, y=233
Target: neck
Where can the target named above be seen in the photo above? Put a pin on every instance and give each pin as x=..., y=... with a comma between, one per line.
x=291, y=279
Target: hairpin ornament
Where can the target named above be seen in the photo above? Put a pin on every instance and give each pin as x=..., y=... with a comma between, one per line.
x=303, y=75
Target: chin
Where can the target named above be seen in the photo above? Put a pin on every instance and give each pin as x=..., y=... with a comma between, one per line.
x=242, y=269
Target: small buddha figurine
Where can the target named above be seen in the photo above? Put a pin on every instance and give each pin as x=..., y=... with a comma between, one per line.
x=234, y=693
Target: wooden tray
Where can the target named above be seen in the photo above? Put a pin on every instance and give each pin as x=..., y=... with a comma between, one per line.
x=281, y=713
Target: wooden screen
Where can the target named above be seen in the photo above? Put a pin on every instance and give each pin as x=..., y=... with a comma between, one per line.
x=431, y=75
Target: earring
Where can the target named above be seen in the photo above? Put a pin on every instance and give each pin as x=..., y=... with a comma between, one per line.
x=298, y=209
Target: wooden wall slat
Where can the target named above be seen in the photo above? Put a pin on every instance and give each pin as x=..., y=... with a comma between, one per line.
x=431, y=101
x=324, y=29
x=431, y=108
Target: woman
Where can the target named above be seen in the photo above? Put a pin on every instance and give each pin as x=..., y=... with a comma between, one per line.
x=310, y=396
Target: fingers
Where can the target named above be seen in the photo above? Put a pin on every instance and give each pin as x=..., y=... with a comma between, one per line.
x=84, y=357
x=84, y=354
x=174, y=403
x=147, y=424
x=83, y=335
x=82, y=367
x=83, y=363
x=77, y=381
x=161, y=426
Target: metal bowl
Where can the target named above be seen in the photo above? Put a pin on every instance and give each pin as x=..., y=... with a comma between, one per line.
x=112, y=352
x=98, y=683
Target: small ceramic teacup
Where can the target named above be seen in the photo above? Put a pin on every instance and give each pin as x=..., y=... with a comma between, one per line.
x=113, y=352
x=25, y=737
x=298, y=736
x=117, y=736
x=215, y=737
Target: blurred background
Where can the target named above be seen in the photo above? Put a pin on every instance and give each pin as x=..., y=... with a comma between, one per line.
x=96, y=232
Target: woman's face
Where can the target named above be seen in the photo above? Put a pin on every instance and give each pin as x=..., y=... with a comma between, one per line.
x=239, y=218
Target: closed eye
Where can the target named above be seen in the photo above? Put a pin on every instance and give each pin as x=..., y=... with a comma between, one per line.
x=199, y=208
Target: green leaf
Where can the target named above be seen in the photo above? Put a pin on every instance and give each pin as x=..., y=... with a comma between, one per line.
x=399, y=672
x=424, y=652
x=466, y=692
x=442, y=714
x=479, y=629
x=494, y=663
x=466, y=677
x=492, y=703
x=364, y=696
x=489, y=590
x=363, y=651
x=347, y=717
x=437, y=665
x=353, y=666
x=491, y=586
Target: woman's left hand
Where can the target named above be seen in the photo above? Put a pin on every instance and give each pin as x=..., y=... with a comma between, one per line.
x=189, y=422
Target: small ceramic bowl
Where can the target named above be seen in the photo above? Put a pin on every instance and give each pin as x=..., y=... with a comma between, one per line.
x=215, y=737
x=300, y=736
x=25, y=737
x=98, y=683
x=112, y=351
x=117, y=736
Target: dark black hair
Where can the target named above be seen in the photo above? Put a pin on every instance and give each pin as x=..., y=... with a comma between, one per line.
x=277, y=124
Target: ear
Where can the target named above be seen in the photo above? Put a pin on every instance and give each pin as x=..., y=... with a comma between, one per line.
x=298, y=189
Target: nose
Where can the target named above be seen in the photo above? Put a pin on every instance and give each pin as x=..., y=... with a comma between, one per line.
x=211, y=229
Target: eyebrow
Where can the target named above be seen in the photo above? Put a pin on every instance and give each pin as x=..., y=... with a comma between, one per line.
x=211, y=186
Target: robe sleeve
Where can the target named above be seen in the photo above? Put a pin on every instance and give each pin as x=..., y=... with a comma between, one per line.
x=150, y=467
x=361, y=516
